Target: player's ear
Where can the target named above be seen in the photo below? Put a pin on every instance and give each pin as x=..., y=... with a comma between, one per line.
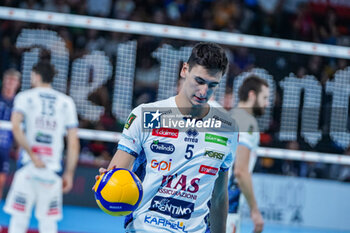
x=252, y=95
x=184, y=69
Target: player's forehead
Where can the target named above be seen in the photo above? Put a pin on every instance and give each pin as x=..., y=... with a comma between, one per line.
x=205, y=74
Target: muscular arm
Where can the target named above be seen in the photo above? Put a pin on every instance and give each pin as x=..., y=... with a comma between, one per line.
x=244, y=179
x=121, y=159
x=16, y=120
x=72, y=159
x=219, y=204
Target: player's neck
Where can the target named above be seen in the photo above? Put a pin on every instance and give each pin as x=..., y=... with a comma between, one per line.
x=246, y=107
x=44, y=85
x=187, y=109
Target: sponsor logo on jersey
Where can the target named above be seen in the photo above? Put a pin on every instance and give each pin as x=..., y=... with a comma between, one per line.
x=172, y=207
x=214, y=154
x=162, y=222
x=53, y=209
x=42, y=150
x=216, y=139
x=208, y=170
x=20, y=203
x=43, y=122
x=43, y=138
x=162, y=147
x=166, y=132
x=130, y=120
x=224, y=121
x=162, y=165
x=151, y=119
x=191, y=135
x=176, y=185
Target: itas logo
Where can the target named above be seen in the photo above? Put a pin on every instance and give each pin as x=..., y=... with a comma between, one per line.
x=208, y=170
x=172, y=207
x=151, y=119
x=162, y=222
x=191, y=135
x=162, y=165
x=162, y=147
x=43, y=138
x=166, y=132
x=214, y=154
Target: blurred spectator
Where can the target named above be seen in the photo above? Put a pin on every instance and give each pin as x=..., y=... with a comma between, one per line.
x=99, y=8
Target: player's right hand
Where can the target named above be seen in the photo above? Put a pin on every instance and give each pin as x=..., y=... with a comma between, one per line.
x=257, y=220
x=38, y=163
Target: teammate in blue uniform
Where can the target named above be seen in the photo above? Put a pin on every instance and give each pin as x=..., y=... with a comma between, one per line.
x=181, y=148
x=10, y=85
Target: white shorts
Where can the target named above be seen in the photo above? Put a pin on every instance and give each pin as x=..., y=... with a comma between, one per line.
x=233, y=223
x=35, y=186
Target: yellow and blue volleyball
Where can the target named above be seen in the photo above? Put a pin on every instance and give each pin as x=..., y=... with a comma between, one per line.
x=118, y=192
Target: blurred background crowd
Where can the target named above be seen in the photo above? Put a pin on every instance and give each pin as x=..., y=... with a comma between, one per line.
x=306, y=20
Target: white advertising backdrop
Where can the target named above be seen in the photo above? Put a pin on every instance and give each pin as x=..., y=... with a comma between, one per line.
x=302, y=202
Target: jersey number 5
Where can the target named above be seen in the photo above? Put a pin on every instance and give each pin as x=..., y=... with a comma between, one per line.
x=189, y=152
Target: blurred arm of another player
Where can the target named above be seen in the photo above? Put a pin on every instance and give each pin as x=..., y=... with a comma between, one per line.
x=18, y=133
x=244, y=179
x=219, y=204
x=73, y=147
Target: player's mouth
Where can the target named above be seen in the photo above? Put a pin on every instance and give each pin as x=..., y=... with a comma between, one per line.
x=200, y=100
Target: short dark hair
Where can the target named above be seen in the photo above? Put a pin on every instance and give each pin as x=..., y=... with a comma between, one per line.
x=209, y=55
x=251, y=83
x=46, y=70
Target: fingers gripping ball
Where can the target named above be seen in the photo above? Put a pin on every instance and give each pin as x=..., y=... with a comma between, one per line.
x=118, y=192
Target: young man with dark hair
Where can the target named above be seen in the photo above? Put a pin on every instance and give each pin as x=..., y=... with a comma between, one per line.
x=48, y=115
x=182, y=169
x=253, y=99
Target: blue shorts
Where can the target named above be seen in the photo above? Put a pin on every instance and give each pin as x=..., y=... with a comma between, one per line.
x=4, y=160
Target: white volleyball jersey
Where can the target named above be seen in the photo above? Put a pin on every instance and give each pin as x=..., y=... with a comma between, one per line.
x=47, y=115
x=178, y=165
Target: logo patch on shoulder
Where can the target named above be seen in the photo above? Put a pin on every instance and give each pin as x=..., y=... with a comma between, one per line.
x=130, y=120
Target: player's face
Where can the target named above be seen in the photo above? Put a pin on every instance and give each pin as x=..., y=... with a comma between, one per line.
x=199, y=85
x=261, y=102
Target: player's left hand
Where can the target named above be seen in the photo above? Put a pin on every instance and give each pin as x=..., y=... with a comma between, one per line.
x=257, y=220
x=67, y=182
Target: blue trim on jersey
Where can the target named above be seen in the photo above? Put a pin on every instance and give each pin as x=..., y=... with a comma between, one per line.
x=128, y=150
x=224, y=169
x=246, y=145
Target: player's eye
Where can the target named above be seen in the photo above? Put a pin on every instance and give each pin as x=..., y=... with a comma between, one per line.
x=199, y=81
